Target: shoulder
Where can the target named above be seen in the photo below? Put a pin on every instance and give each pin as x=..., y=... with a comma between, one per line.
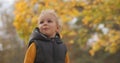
x=35, y=44
x=32, y=45
x=31, y=49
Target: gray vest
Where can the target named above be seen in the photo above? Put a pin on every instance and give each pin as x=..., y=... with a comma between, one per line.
x=50, y=51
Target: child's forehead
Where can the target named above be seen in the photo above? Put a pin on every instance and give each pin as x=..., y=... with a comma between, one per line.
x=47, y=16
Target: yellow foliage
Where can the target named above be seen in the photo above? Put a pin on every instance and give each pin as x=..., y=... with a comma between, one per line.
x=92, y=52
x=83, y=4
x=34, y=20
x=88, y=7
x=21, y=6
x=86, y=20
x=118, y=22
x=71, y=41
x=114, y=44
x=109, y=17
x=33, y=2
x=96, y=47
x=113, y=50
x=108, y=10
x=16, y=25
x=97, y=1
x=97, y=20
x=74, y=12
x=73, y=3
x=17, y=17
x=28, y=16
x=64, y=32
x=65, y=18
x=72, y=33
x=25, y=25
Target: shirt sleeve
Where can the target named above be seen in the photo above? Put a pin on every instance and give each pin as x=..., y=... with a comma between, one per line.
x=30, y=54
x=67, y=60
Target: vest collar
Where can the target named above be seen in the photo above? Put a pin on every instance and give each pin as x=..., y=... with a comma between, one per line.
x=37, y=35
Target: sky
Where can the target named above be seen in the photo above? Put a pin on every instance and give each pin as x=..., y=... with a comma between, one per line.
x=5, y=6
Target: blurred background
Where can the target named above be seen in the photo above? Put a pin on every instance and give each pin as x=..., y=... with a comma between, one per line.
x=91, y=28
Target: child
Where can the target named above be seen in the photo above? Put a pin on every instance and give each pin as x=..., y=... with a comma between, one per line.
x=45, y=45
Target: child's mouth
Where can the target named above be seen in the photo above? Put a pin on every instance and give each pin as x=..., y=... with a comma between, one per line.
x=45, y=29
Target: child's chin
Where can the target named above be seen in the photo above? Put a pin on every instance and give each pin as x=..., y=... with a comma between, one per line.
x=47, y=34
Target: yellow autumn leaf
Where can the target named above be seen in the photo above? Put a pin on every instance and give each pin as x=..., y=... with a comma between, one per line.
x=16, y=25
x=92, y=52
x=86, y=19
x=71, y=41
x=33, y=1
x=72, y=33
x=112, y=50
x=96, y=47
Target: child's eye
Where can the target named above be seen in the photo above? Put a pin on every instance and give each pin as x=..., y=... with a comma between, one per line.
x=49, y=21
x=41, y=22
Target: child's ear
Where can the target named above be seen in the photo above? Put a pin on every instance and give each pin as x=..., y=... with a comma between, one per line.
x=57, y=29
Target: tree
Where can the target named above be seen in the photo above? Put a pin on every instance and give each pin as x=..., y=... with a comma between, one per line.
x=106, y=13
x=99, y=18
x=27, y=12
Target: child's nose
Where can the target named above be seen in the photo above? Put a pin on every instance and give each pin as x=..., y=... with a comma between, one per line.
x=45, y=23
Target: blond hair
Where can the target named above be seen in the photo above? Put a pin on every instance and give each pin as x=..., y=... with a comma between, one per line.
x=52, y=13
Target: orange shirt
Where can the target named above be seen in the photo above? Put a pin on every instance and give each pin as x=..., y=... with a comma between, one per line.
x=31, y=52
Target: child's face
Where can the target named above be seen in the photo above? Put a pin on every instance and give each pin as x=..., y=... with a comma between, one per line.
x=48, y=25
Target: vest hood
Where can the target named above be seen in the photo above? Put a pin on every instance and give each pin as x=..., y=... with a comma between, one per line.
x=37, y=35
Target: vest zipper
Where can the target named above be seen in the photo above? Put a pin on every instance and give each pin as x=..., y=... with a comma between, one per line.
x=53, y=45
